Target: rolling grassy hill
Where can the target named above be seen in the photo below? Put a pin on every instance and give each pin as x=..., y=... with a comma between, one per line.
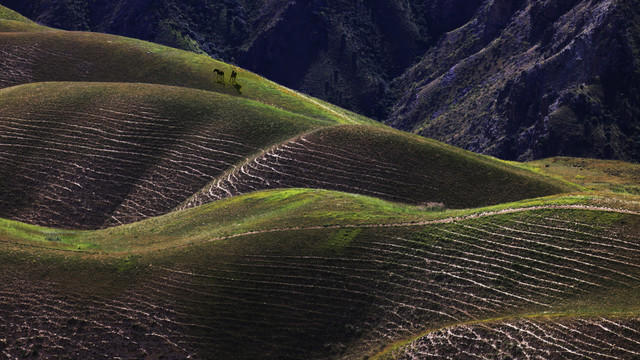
x=90, y=155
x=149, y=211
x=323, y=275
x=384, y=163
x=53, y=55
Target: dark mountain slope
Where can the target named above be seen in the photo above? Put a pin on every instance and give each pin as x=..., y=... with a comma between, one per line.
x=531, y=79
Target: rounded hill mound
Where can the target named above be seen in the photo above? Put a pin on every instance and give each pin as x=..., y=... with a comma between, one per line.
x=91, y=155
x=30, y=56
x=87, y=155
x=383, y=163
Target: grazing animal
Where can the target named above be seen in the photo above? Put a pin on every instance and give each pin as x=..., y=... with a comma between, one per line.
x=219, y=75
x=233, y=77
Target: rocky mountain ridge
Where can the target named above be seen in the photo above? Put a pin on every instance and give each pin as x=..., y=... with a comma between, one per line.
x=530, y=79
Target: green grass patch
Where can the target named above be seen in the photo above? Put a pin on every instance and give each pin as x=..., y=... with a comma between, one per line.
x=82, y=56
x=269, y=210
x=8, y=14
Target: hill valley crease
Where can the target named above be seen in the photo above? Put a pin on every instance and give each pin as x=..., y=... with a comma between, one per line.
x=319, y=179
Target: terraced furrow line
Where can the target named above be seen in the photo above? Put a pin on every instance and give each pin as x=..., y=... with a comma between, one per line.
x=284, y=166
x=563, y=249
x=14, y=68
x=466, y=258
x=288, y=156
x=422, y=288
x=493, y=261
x=21, y=64
x=628, y=246
x=451, y=292
x=557, y=255
x=566, y=239
x=519, y=257
x=38, y=323
x=548, y=219
x=556, y=338
x=452, y=270
x=339, y=154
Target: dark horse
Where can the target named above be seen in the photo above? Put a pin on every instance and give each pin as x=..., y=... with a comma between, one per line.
x=233, y=77
x=219, y=75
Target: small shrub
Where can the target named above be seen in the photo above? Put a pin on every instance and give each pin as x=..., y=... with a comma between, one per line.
x=53, y=237
x=431, y=206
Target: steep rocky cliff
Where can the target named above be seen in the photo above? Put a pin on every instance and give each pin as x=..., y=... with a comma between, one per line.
x=530, y=79
x=518, y=79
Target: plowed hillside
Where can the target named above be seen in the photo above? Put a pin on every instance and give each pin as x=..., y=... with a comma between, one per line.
x=577, y=338
x=383, y=163
x=316, y=278
x=87, y=155
x=90, y=155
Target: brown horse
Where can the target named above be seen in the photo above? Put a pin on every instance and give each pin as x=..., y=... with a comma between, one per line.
x=219, y=75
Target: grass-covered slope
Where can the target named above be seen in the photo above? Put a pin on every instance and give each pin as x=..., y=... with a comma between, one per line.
x=221, y=281
x=594, y=174
x=8, y=14
x=11, y=21
x=383, y=163
x=91, y=154
x=39, y=56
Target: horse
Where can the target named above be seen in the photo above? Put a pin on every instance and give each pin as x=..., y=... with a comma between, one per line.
x=234, y=74
x=219, y=75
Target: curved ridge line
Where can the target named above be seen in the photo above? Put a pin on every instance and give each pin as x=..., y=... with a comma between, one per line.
x=438, y=221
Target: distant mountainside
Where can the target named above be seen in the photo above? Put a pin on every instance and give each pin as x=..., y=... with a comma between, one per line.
x=531, y=79
x=517, y=79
